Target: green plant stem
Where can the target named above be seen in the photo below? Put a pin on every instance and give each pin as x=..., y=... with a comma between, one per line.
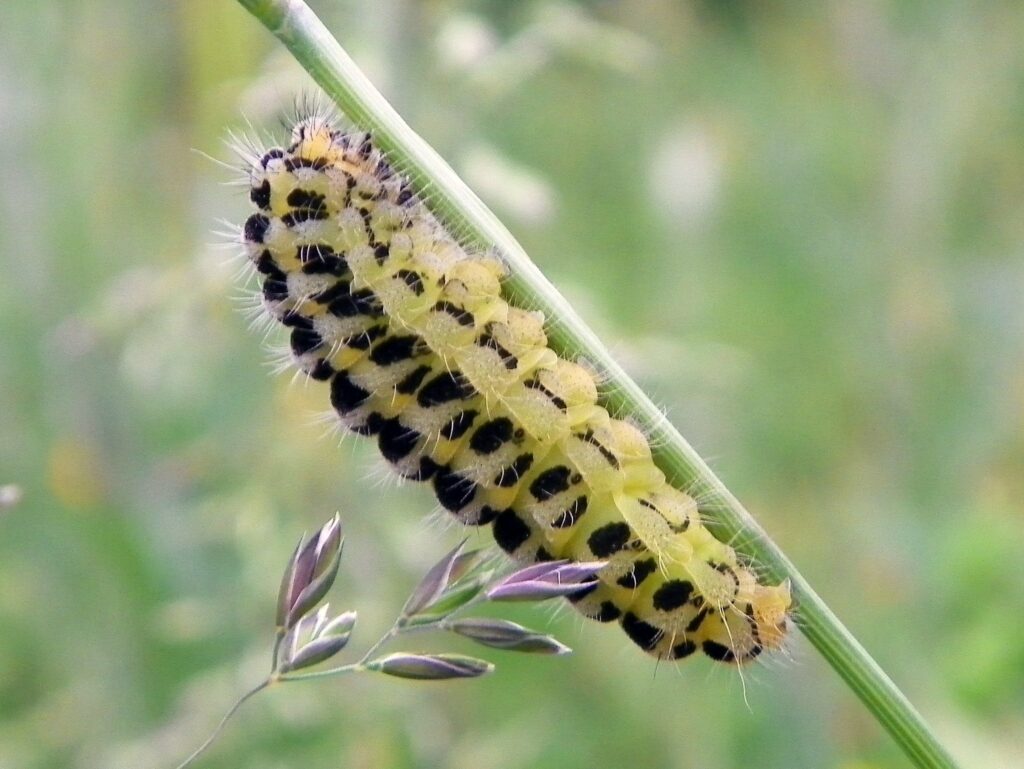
x=355, y=667
x=394, y=631
x=298, y=28
x=223, y=722
x=278, y=638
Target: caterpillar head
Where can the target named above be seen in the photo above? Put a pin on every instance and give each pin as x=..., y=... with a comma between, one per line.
x=730, y=636
x=771, y=607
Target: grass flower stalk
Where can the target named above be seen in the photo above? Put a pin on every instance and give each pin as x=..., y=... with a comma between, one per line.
x=307, y=634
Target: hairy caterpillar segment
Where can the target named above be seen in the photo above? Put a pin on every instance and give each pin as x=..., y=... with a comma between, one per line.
x=461, y=390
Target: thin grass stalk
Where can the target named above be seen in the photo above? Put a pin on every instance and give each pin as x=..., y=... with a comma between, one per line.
x=313, y=46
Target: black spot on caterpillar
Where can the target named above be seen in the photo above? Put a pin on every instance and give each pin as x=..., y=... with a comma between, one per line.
x=460, y=388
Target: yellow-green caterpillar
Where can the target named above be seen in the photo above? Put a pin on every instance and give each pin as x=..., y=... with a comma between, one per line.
x=461, y=390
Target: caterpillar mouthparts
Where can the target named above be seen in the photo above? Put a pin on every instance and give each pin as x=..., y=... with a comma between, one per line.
x=420, y=350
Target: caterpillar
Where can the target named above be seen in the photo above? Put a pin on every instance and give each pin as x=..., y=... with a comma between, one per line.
x=418, y=348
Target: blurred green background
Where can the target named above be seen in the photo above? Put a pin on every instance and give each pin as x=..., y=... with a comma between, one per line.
x=800, y=228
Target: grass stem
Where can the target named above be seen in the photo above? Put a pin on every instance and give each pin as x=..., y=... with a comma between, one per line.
x=309, y=41
x=223, y=722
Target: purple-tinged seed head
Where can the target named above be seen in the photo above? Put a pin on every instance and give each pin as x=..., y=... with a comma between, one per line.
x=310, y=573
x=502, y=634
x=436, y=580
x=550, y=579
x=430, y=667
x=315, y=639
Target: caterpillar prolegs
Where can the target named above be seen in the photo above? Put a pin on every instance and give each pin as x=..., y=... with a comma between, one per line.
x=460, y=389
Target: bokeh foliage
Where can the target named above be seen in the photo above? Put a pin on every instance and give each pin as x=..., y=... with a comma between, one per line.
x=800, y=228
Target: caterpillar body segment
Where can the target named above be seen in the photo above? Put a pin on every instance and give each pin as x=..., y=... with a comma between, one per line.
x=420, y=350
